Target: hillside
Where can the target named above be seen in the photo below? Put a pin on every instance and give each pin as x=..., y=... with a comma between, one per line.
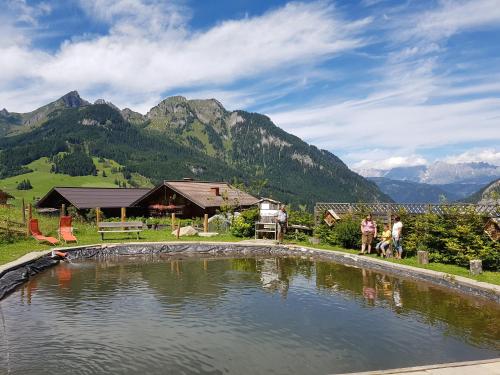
x=490, y=194
x=187, y=138
x=412, y=192
x=43, y=180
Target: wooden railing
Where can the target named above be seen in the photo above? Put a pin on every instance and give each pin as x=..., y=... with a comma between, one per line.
x=384, y=209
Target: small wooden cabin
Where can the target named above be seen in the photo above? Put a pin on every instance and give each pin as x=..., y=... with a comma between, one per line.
x=4, y=197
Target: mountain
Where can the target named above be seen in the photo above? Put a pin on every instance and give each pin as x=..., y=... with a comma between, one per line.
x=13, y=123
x=439, y=173
x=412, y=192
x=490, y=194
x=185, y=138
x=454, y=180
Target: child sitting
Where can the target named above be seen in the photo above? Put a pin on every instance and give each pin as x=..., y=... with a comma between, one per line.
x=385, y=241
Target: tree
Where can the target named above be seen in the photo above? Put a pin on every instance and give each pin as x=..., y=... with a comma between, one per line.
x=24, y=185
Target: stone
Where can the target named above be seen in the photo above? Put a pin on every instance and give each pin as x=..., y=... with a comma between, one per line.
x=186, y=231
x=476, y=267
x=314, y=240
x=423, y=257
x=207, y=234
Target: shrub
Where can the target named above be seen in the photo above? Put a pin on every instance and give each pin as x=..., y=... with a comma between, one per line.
x=244, y=224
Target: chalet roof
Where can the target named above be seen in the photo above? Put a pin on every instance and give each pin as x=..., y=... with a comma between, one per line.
x=5, y=195
x=83, y=198
x=202, y=193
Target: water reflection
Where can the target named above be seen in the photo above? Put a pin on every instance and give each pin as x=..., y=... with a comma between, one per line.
x=160, y=314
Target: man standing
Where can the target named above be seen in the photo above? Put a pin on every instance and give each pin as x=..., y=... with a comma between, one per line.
x=368, y=233
x=397, y=230
x=282, y=220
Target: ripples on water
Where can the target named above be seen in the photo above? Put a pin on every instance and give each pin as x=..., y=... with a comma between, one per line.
x=239, y=316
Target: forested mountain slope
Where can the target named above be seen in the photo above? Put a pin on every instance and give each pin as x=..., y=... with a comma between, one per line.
x=185, y=138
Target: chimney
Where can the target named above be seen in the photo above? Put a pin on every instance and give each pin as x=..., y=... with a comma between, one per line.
x=215, y=191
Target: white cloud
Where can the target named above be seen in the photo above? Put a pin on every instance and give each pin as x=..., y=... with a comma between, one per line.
x=455, y=16
x=170, y=58
x=487, y=155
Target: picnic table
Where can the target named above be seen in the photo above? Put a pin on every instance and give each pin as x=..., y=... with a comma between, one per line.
x=120, y=227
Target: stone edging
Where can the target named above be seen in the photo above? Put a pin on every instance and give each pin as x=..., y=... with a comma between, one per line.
x=457, y=283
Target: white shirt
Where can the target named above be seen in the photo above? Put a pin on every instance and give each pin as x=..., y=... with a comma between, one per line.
x=396, y=229
x=282, y=216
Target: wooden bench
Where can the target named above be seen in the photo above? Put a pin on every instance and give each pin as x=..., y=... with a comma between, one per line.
x=120, y=227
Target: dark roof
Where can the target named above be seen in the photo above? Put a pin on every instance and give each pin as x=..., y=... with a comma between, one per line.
x=202, y=194
x=83, y=198
x=6, y=195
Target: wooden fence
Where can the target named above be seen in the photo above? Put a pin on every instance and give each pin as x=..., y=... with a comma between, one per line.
x=387, y=209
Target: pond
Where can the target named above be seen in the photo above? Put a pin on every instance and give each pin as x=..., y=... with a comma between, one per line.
x=284, y=315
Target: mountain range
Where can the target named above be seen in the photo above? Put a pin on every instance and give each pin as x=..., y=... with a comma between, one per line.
x=433, y=183
x=182, y=138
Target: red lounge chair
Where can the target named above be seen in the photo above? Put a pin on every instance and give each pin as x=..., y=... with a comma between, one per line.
x=66, y=230
x=37, y=235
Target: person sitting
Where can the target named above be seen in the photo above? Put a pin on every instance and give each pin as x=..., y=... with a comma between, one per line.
x=368, y=233
x=385, y=241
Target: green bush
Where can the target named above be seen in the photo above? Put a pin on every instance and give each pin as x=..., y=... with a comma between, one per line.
x=345, y=233
x=454, y=237
x=244, y=224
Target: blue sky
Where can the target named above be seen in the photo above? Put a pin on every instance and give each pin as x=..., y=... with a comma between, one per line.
x=380, y=83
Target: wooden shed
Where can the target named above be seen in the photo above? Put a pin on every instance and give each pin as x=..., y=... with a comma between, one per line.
x=109, y=200
x=331, y=217
x=4, y=197
x=189, y=198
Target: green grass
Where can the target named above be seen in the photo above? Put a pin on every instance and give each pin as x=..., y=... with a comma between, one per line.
x=42, y=180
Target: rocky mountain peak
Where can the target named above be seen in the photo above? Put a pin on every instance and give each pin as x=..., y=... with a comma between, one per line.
x=73, y=100
x=102, y=101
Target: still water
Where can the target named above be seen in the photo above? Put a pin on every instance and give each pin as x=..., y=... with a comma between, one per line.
x=154, y=315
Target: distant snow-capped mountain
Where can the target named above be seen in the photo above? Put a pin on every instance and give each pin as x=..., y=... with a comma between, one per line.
x=439, y=173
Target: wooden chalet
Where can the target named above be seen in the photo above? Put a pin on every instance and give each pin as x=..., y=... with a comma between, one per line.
x=109, y=200
x=189, y=198
x=4, y=197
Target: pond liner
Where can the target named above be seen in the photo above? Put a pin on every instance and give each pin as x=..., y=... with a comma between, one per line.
x=14, y=277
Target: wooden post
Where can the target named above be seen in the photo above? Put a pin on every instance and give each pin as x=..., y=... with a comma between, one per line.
x=423, y=257
x=124, y=214
x=63, y=210
x=97, y=215
x=179, y=229
x=205, y=223
x=476, y=267
x=30, y=214
x=24, y=212
x=173, y=221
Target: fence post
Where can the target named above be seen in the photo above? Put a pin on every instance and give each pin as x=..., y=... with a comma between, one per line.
x=24, y=212
x=205, y=223
x=30, y=215
x=63, y=210
x=173, y=221
x=97, y=215
x=124, y=214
